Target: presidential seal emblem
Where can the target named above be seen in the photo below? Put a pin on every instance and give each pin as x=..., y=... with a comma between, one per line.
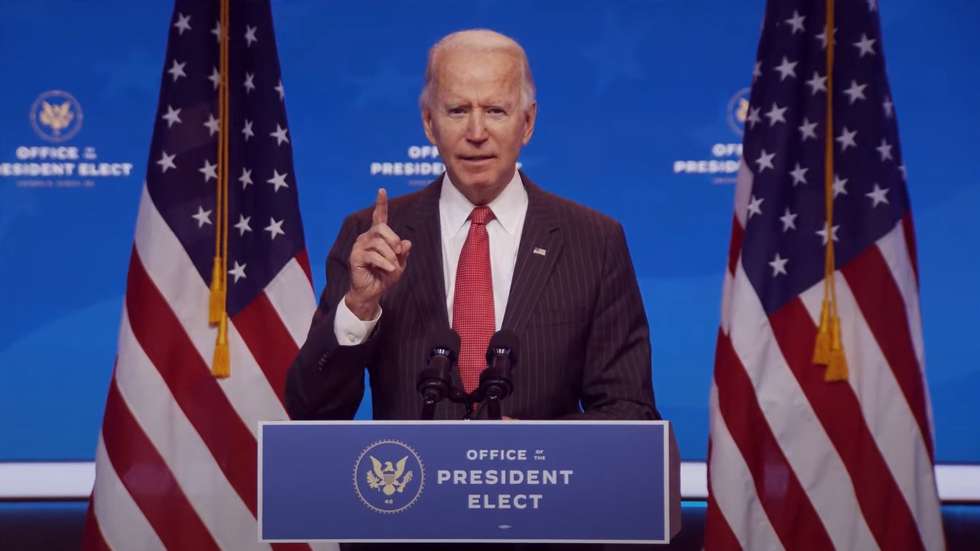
x=388, y=476
x=56, y=116
x=738, y=110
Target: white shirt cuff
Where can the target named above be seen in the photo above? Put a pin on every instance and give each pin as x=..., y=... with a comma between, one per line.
x=349, y=329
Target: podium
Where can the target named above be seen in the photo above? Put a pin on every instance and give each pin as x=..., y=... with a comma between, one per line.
x=468, y=481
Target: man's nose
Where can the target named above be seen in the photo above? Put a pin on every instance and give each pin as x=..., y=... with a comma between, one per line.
x=476, y=129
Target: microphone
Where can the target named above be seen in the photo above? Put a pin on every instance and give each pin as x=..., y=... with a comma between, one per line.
x=435, y=381
x=495, y=380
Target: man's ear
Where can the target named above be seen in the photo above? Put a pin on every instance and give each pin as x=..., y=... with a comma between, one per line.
x=427, y=124
x=530, y=116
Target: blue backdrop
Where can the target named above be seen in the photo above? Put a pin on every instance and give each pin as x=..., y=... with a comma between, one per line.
x=629, y=93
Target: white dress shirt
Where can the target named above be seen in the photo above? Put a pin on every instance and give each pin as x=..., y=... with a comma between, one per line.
x=504, y=231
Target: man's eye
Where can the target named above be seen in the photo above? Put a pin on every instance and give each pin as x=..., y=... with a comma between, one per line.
x=455, y=111
x=496, y=112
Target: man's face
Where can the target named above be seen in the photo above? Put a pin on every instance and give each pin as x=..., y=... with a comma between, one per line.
x=476, y=119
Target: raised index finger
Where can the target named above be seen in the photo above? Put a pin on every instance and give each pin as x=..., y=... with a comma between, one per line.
x=380, y=214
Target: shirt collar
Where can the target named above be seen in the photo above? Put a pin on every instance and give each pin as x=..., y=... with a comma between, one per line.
x=507, y=207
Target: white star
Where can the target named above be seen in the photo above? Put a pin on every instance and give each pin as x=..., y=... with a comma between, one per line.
x=823, y=233
x=202, y=217
x=822, y=37
x=888, y=106
x=753, y=117
x=247, y=130
x=765, y=161
x=799, y=175
x=872, y=5
x=796, y=21
x=183, y=23
x=242, y=225
x=878, y=196
x=166, y=162
x=238, y=271
x=172, y=116
x=245, y=178
x=755, y=206
x=865, y=45
x=757, y=70
x=208, y=170
x=839, y=186
x=778, y=265
x=274, y=228
x=786, y=69
x=855, y=92
x=280, y=135
x=279, y=88
x=215, y=77
x=177, y=70
x=905, y=174
x=249, y=84
x=846, y=139
x=776, y=114
x=788, y=220
x=250, y=35
x=212, y=125
x=885, y=150
x=216, y=31
x=817, y=84
x=278, y=180
x=808, y=129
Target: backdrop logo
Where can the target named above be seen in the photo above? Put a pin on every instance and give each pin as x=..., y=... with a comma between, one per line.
x=722, y=161
x=421, y=165
x=388, y=476
x=56, y=116
x=738, y=110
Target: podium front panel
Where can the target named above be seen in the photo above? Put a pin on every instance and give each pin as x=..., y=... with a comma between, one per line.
x=510, y=481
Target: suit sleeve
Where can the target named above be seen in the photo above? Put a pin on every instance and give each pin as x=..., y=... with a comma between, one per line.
x=616, y=378
x=326, y=380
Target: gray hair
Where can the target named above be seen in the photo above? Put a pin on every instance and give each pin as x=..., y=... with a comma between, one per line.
x=478, y=39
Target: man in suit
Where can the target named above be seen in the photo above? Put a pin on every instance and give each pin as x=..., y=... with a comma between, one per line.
x=480, y=249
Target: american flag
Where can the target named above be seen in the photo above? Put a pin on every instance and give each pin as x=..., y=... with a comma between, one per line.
x=176, y=457
x=795, y=461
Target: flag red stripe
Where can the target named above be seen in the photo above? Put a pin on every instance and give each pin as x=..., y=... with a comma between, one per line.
x=92, y=538
x=171, y=351
x=837, y=407
x=787, y=505
x=718, y=535
x=883, y=307
x=267, y=338
x=303, y=258
x=735, y=247
x=908, y=229
x=148, y=479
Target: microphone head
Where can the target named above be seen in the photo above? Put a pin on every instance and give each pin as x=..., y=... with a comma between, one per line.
x=446, y=339
x=505, y=339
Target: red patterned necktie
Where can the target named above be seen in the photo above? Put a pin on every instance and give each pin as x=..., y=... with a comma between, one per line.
x=473, y=316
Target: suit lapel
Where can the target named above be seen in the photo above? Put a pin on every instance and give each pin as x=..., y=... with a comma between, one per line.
x=540, y=247
x=425, y=276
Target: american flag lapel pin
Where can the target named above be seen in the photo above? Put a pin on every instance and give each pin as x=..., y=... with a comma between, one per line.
x=540, y=251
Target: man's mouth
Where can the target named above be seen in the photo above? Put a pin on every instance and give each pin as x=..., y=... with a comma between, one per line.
x=476, y=158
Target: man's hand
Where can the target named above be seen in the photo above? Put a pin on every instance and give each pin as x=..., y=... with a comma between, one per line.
x=377, y=262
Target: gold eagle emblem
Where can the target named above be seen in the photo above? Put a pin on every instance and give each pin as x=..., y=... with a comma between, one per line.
x=743, y=110
x=58, y=117
x=388, y=478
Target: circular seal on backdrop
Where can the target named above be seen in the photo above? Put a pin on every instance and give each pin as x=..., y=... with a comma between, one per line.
x=388, y=476
x=56, y=116
x=738, y=110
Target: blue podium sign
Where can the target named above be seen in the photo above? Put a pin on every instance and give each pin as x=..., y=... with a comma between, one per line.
x=465, y=481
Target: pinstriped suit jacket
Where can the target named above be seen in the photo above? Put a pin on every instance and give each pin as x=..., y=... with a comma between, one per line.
x=577, y=310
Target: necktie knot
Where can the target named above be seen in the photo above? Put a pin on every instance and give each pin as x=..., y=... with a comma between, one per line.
x=481, y=216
